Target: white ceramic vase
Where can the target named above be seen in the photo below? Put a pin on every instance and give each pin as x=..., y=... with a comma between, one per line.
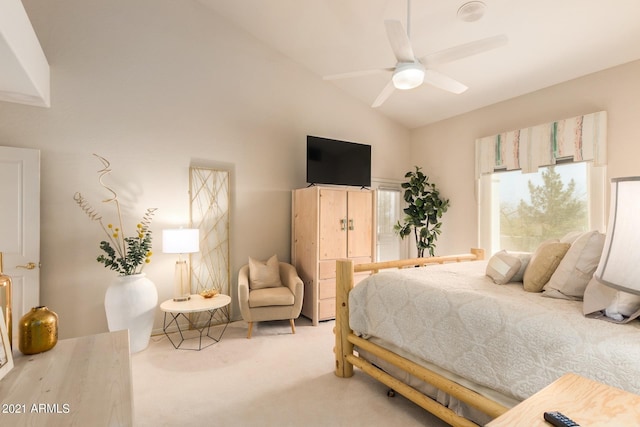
x=130, y=303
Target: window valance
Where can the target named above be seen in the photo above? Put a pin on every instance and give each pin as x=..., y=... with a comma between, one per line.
x=576, y=139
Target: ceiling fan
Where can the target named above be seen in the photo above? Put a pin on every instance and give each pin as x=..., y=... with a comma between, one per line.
x=411, y=71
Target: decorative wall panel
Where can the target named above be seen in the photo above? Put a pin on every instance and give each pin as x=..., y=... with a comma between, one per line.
x=210, y=202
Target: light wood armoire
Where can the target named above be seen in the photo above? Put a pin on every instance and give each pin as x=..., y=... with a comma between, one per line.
x=329, y=224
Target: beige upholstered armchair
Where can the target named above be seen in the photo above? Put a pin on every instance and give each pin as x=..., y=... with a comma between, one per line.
x=269, y=290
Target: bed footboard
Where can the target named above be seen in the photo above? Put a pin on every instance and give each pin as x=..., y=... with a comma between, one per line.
x=346, y=340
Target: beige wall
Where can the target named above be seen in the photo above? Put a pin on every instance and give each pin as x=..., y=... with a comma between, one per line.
x=154, y=86
x=446, y=149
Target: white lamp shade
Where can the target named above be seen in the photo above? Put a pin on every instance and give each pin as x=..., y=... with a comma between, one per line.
x=408, y=76
x=619, y=265
x=180, y=240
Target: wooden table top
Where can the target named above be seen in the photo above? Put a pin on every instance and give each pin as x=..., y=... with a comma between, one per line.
x=587, y=402
x=195, y=304
x=83, y=381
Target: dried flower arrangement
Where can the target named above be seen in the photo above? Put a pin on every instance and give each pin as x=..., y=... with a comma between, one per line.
x=126, y=255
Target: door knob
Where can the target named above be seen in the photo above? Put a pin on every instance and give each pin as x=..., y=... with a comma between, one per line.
x=29, y=266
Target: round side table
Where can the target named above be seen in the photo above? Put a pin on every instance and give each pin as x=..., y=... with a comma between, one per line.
x=181, y=309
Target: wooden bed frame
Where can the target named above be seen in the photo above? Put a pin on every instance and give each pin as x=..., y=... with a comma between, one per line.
x=346, y=359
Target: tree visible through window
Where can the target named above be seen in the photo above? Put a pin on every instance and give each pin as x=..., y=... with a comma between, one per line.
x=541, y=206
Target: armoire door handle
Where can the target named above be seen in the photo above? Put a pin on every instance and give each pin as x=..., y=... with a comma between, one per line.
x=351, y=224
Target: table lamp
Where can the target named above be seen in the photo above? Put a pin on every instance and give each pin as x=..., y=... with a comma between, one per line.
x=619, y=265
x=181, y=241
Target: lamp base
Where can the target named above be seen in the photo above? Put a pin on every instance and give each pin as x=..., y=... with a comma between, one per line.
x=182, y=289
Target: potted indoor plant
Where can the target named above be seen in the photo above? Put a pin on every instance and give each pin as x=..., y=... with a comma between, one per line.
x=131, y=299
x=424, y=209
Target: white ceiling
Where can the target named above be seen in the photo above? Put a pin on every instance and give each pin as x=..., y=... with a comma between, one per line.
x=550, y=41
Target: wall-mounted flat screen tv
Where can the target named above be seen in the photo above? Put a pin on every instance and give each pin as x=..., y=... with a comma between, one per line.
x=330, y=161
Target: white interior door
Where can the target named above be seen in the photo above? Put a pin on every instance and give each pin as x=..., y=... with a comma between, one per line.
x=20, y=228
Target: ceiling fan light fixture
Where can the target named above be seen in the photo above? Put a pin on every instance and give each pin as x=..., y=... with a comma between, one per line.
x=408, y=76
x=472, y=11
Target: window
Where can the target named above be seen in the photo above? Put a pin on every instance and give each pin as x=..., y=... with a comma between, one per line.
x=519, y=211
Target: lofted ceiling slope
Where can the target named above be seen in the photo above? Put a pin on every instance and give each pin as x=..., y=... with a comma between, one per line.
x=550, y=42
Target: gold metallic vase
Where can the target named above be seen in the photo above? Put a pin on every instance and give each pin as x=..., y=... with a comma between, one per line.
x=38, y=330
x=5, y=303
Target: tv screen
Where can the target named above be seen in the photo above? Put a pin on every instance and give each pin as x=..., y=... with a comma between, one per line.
x=330, y=161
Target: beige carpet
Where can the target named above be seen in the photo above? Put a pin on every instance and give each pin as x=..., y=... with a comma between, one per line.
x=273, y=379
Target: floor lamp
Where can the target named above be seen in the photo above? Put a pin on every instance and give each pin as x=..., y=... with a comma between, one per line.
x=181, y=241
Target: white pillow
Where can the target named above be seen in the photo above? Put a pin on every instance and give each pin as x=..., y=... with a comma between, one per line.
x=264, y=274
x=524, y=258
x=570, y=279
x=601, y=301
x=624, y=305
x=571, y=237
x=502, y=267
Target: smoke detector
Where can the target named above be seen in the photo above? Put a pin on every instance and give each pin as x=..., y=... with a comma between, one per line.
x=471, y=11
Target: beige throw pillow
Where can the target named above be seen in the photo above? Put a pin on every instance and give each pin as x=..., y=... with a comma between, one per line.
x=576, y=268
x=264, y=274
x=543, y=264
x=502, y=267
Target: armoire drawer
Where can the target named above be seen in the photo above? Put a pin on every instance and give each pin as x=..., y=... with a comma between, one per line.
x=327, y=288
x=327, y=269
x=327, y=309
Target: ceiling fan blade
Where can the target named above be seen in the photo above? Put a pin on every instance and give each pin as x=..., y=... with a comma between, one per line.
x=443, y=82
x=386, y=93
x=464, y=50
x=399, y=41
x=356, y=73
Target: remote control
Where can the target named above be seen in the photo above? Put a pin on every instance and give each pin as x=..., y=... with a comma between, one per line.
x=559, y=420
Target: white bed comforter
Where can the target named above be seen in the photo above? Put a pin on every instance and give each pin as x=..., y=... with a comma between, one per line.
x=498, y=336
